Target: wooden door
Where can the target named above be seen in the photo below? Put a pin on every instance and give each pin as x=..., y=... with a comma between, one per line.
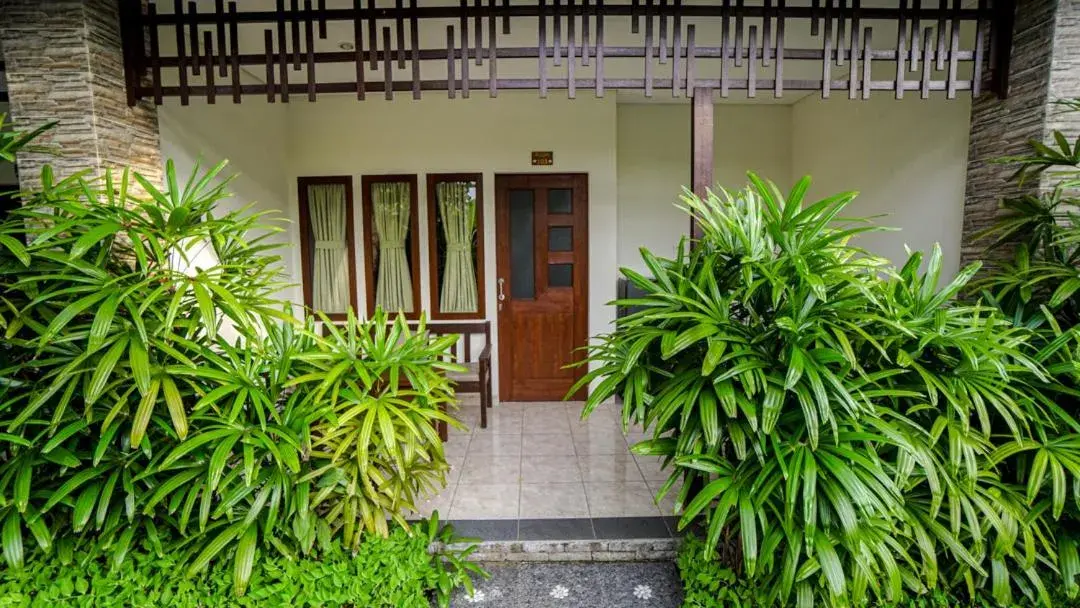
x=542, y=255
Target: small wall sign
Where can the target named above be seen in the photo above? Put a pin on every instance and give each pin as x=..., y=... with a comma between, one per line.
x=543, y=158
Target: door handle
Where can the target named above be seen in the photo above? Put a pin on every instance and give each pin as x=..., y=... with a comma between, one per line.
x=502, y=296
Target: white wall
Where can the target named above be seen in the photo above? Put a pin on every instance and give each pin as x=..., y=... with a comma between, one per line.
x=340, y=136
x=252, y=137
x=906, y=158
x=654, y=166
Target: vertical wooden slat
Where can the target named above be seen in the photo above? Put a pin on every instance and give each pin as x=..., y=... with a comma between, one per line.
x=556, y=34
x=268, y=42
x=954, y=51
x=725, y=50
x=928, y=49
x=234, y=51
x=901, y=48
x=976, y=71
x=506, y=18
x=635, y=10
x=478, y=31
x=541, y=34
x=738, y=32
x=373, y=36
x=585, y=28
x=399, y=23
x=388, y=65
x=599, y=48
x=571, y=54
x=464, y=49
x=193, y=31
x=309, y=39
x=648, y=48
x=451, y=84
x=211, y=90
x=751, y=63
x=663, y=31
x=493, y=70
x=939, y=56
x=826, y=50
x=219, y=10
x=840, y=36
x=283, y=52
x=915, y=49
x=181, y=52
x=778, y=81
x=815, y=24
x=691, y=51
x=322, y=19
x=295, y=35
x=358, y=49
x=868, y=45
x=414, y=42
x=853, y=52
x=676, y=51
x=766, y=33
x=155, y=53
x=571, y=29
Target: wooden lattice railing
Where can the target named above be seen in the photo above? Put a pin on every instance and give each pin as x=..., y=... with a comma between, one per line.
x=759, y=47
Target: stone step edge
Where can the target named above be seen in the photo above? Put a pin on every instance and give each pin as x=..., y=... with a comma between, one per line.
x=592, y=550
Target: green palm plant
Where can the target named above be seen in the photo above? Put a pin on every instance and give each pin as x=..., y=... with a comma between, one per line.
x=154, y=387
x=835, y=424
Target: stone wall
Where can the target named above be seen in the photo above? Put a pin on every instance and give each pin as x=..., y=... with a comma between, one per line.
x=1045, y=67
x=64, y=63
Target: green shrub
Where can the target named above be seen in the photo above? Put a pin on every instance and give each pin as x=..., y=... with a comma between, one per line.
x=847, y=433
x=392, y=572
x=151, y=391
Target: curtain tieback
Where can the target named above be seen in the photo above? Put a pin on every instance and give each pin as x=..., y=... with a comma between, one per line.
x=467, y=247
x=390, y=247
x=329, y=244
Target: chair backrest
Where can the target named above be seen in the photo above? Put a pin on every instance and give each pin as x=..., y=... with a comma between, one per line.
x=468, y=330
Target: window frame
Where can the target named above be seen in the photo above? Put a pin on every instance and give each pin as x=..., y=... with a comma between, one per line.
x=433, y=247
x=306, y=261
x=366, y=182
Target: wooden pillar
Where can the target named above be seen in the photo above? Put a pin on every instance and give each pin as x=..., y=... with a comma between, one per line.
x=701, y=147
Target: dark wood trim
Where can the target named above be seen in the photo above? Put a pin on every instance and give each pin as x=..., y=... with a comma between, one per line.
x=433, y=257
x=366, y=182
x=995, y=15
x=302, y=184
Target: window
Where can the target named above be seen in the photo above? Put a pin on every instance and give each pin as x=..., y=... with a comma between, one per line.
x=456, y=245
x=327, y=250
x=391, y=244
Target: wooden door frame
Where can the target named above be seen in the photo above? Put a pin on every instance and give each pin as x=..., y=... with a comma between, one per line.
x=580, y=185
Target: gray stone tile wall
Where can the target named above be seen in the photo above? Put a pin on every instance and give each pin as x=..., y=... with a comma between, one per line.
x=64, y=63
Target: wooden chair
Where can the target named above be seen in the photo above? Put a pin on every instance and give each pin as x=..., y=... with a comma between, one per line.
x=477, y=376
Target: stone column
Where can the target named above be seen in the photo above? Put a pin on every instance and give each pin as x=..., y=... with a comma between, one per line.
x=64, y=63
x=1045, y=67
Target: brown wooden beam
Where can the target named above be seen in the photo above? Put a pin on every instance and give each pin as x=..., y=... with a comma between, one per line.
x=701, y=147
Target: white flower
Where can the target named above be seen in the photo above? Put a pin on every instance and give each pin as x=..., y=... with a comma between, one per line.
x=476, y=597
x=643, y=592
x=560, y=592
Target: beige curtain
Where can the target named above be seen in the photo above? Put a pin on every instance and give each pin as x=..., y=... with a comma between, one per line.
x=390, y=210
x=457, y=208
x=330, y=280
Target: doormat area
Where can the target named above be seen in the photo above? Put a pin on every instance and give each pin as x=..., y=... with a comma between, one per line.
x=583, y=585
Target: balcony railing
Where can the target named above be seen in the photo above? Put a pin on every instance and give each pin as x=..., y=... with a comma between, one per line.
x=765, y=47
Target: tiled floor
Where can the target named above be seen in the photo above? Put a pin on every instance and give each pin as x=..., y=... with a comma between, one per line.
x=541, y=461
